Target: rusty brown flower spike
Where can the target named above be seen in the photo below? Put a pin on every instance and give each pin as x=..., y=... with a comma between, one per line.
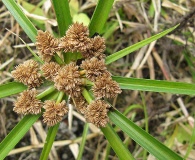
x=97, y=48
x=94, y=68
x=68, y=80
x=97, y=113
x=28, y=74
x=27, y=103
x=46, y=45
x=76, y=39
x=54, y=112
x=104, y=86
x=50, y=70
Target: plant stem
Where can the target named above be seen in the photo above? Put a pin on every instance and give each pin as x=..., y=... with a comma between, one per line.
x=46, y=92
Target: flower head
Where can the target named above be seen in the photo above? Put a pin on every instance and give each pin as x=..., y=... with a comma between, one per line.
x=97, y=48
x=94, y=68
x=104, y=86
x=27, y=103
x=97, y=113
x=68, y=80
x=54, y=112
x=27, y=73
x=80, y=104
x=46, y=45
x=76, y=39
x=50, y=70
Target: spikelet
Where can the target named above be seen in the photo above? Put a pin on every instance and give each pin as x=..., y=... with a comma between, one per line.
x=28, y=74
x=97, y=113
x=27, y=103
x=105, y=87
x=54, y=112
x=76, y=39
x=46, y=45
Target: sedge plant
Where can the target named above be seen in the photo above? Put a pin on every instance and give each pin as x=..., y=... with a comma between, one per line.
x=87, y=85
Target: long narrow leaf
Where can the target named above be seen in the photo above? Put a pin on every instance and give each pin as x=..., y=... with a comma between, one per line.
x=144, y=139
x=16, y=134
x=100, y=16
x=11, y=88
x=155, y=85
x=21, y=18
x=63, y=16
x=116, y=143
x=130, y=49
x=49, y=141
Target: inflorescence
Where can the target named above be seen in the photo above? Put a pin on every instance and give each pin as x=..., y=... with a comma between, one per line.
x=68, y=78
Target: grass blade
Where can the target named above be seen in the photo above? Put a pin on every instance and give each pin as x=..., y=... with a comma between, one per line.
x=63, y=16
x=136, y=46
x=155, y=85
x=11, y=88
x=144, y=139
x=49, y=141
x=116, y=143
x=16, y=134
x=82, y=145
x=100, y=16
x=21, y=18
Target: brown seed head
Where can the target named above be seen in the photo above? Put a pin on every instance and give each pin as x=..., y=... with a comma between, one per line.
x=50, y=70
x=27, y=103
x=54, y=112
x=27, y=73
x=76, y=39
x=97, y=113
x=68, y=80
x=97, y=48
x=46, y=45
x=80, y=103
x=105, y=87
x=94, y=68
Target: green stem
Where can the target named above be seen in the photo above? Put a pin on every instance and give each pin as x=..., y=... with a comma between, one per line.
x=60, y=96
x=84, y=137
x=46, y=92
x=87, y=95
x=49, y=141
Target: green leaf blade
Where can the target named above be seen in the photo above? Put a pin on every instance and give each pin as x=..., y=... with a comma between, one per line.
x=155, y=85
x=116, y=143
x=100, y=16
x=11, y=88
x=21, y=18
x=130, y=49
x=17, y=134
x=63, y=16
x=144, y=139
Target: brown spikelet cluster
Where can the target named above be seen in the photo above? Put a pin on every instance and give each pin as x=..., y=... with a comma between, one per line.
x=46, y=45
x=97, y=113
x=28, y=74
x=50, y=70
x=54, y=112
x=105, y=87
x=70, y=78
x=94, y=68
x=80, y=104
x=76, y=39
x=27, y=103
x=97, y=48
